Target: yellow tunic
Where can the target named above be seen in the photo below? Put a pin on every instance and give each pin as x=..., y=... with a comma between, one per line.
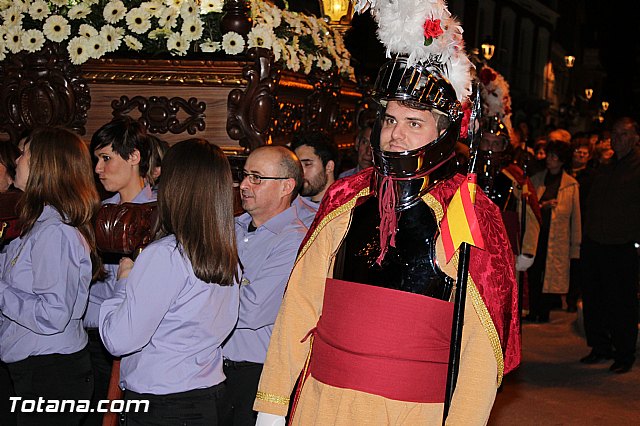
x=321, y=404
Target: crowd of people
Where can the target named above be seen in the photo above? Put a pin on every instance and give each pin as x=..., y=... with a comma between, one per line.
x=332, y=297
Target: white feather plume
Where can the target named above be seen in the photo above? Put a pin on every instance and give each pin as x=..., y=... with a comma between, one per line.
x=401, y=30
x=494, y=93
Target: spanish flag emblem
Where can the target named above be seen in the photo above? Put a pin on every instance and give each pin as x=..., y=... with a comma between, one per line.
x=460, y=224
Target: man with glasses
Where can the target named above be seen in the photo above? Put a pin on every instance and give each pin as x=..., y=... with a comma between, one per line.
x=611, y=230
x=268, y=235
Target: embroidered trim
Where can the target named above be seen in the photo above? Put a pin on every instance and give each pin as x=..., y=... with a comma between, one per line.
x=472, y=290
x=487, y=323
x=329, y=217
x=269, y=397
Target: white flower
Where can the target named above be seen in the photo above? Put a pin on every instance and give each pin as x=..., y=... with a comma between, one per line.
x=78, y=50
x=138, y=20
x=79, y=11
x=3, y=51
x=153, y=8
x=260, y=36
x=168, y=18
x=13, y=39
x=112, y=37
x=97, y=46
x=90, y=2
x=32, y=40
x=232, y=43
x=178, y=44
x=209, y=46
x=114, y=11
x=59, y=2
x=12, y=17
x=87, y=31
x=132, y=43
x=159, y=33
x=22, y=5
x=188, y=9
x=173, y=3
x=192, y=28
x=56, y=28
x=324, y=63
x=39, y=10
x=211, y=6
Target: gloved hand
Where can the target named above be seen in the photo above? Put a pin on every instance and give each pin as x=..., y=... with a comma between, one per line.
x=267, y=419
x=524, y=262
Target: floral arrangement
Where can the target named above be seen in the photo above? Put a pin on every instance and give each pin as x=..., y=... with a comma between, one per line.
x=95, y=28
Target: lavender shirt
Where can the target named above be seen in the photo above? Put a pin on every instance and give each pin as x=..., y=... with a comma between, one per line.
x=267, y=256
x=44, y=286
x=307, y=209
x=103, y=290
x=167, y=324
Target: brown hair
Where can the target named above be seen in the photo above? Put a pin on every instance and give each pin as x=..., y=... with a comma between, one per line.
x=8, y=155
x=195, y=203
x=61, y=175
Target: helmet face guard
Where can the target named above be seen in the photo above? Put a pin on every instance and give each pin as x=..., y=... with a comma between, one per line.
x=420, y=87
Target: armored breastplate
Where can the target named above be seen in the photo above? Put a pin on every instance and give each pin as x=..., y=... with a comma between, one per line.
x=501, y=193
x=411, y=266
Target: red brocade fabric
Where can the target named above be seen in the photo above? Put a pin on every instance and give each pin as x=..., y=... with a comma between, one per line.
x=353, y=349
x=492, y=269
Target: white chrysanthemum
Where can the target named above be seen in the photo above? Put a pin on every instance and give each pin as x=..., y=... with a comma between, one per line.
x=188, y=8
x=78, y=49
x=39, y=10
x=59, y=2
x=132, y=43
x=138, y=20
x=56, y=28
x=12, y=17
x=307, y=62
x=112, y=36
x=114, y=11
x=3, y=50
x=178, y=44
x=97, y=46
x=261, y=36
x=159, y=33
x=211, y=6
x=232, y=43
x=209, y=46
x=192, y=28
x=22, y=5
x=271, y=15
x=32, y=40
x=153, y=8
x=13, y=39
x=87, y=31
x=79, y=11
x=324, y=63
x=168, y=18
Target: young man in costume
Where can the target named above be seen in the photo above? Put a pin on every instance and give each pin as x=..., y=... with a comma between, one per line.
x=376, y=240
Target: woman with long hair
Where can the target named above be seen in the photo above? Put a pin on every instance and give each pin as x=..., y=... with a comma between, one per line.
x=45, y=275
x=173, y=309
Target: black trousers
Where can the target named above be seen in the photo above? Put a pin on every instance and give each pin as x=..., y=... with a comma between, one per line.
x=7, y=418
x=197, y=407
x=610, y=298
x=539, y=303
x=101, y=362
x=575, y=283
x=236, y=409
x=52, y=377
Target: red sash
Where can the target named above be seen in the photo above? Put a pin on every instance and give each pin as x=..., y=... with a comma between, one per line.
x=382, y=341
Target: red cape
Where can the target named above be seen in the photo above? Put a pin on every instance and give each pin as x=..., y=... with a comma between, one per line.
x=491, y=269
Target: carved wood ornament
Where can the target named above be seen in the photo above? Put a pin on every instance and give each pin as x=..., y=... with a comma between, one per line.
x=42, y=89
x=249, y=111
x=160, y=114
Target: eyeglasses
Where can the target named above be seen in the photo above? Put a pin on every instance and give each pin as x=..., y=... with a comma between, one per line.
x=255, y=179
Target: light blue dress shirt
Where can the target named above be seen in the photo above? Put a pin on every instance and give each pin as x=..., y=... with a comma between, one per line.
x=44, y=286
x=167, y=324
x=307, y=209
x=267, y=256
x=103, y=290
